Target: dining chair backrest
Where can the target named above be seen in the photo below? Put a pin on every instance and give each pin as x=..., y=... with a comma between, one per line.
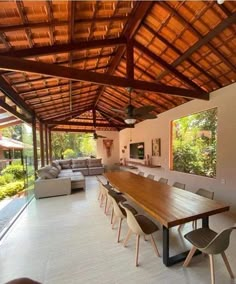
x=151, y=176
x=205, y=193
x=163, y=180
x=220, y=242
x=179, y=185
x=141, y=174
x=131, y=221
x=117, y=210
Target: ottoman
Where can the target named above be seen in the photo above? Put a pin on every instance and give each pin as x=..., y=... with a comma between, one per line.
x=77, y=181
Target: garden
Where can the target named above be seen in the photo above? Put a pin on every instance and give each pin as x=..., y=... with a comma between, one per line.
x=12, y=180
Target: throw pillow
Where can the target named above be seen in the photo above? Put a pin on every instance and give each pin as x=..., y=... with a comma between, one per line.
x=47, y=172
x=65, y=164
x=56, y=165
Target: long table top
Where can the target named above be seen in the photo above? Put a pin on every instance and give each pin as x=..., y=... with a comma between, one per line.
x=171, y=206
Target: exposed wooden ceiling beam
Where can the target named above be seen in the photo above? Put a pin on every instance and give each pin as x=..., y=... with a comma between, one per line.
x=76, y=85
x=48, y=94
x=65, y=115
x=62, y=106
x=46, y=50
x=139, y=13
x=13, y=111
x=12, y=63
x=179, y=52
x=167, y=66
x=56, y=24
x=203, y=39
x=49, y=11
x=20, y=10
x=76, y=130
x=59, y=101
x=11, y=94
x=72, y=123
x=110, y=117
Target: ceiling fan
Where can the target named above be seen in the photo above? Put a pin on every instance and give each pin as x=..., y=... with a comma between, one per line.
x=132, y=114
x=96, y=136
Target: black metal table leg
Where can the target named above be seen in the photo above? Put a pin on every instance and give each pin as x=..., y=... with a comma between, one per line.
x=167, y=260
x=205, y=222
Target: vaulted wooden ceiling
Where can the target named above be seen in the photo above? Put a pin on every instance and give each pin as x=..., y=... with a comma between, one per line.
x=69, y=63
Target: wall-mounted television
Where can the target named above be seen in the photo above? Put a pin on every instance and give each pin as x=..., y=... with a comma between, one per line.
x=136, y=150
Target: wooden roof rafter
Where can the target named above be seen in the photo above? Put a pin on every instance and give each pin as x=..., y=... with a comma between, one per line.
x=140, y=11
x=13, y=63
x=63, y=48
x=177, y=50
x=67, y=115
x=202, y=39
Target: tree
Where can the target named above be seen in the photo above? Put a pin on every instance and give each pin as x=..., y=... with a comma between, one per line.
x=194, y=143
x=82, y=144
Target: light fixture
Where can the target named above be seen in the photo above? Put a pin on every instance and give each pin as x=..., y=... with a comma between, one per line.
x=130, y=120
x=220, y=1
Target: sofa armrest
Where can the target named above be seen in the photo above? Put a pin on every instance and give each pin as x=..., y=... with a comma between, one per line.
x=52, y=187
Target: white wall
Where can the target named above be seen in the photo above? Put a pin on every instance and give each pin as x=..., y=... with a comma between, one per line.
x=224, y=185
x=101, y=150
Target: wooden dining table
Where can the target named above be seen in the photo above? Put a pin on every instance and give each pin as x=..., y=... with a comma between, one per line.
x=169, y=205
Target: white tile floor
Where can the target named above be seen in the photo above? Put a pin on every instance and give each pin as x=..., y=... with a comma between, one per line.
x=68, y=239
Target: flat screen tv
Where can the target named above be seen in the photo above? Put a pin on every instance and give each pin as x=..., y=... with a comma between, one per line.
x=136, y=150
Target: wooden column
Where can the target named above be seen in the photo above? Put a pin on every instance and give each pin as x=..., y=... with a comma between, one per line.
x=46, y=144
x=41, y=144
x=35, y=144
x=130, y=60
x=50, y=145
x=10, y=157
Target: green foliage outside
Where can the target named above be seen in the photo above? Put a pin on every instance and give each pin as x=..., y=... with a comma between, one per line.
x=11, y=180
x=82, y=145
x=11, y=189
x=194, y=143
x=16, y=170
x=12, y=177
x=69, y=153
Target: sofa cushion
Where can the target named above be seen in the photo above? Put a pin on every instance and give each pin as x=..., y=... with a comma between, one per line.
x=79, y=163
x=65, y=164
x=56, y=165
x=48, y=172
x=94, y=163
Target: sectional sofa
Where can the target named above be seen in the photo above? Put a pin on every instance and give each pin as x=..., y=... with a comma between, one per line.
x=87, y=166
x=64, y=175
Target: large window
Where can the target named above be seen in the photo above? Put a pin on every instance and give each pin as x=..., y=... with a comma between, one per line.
x=194, y=143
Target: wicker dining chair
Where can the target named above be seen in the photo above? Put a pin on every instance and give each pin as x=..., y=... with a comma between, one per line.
x=211, y=243
x=141, y=226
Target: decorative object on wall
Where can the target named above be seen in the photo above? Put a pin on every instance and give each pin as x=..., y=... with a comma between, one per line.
x=156, y=147
x=108, y=143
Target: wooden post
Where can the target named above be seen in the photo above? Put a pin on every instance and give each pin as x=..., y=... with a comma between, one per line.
x=41, y=144
x=46, y=143
x=10, y=156
x=130, y=60
x=50, y=145
x=35, y=144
